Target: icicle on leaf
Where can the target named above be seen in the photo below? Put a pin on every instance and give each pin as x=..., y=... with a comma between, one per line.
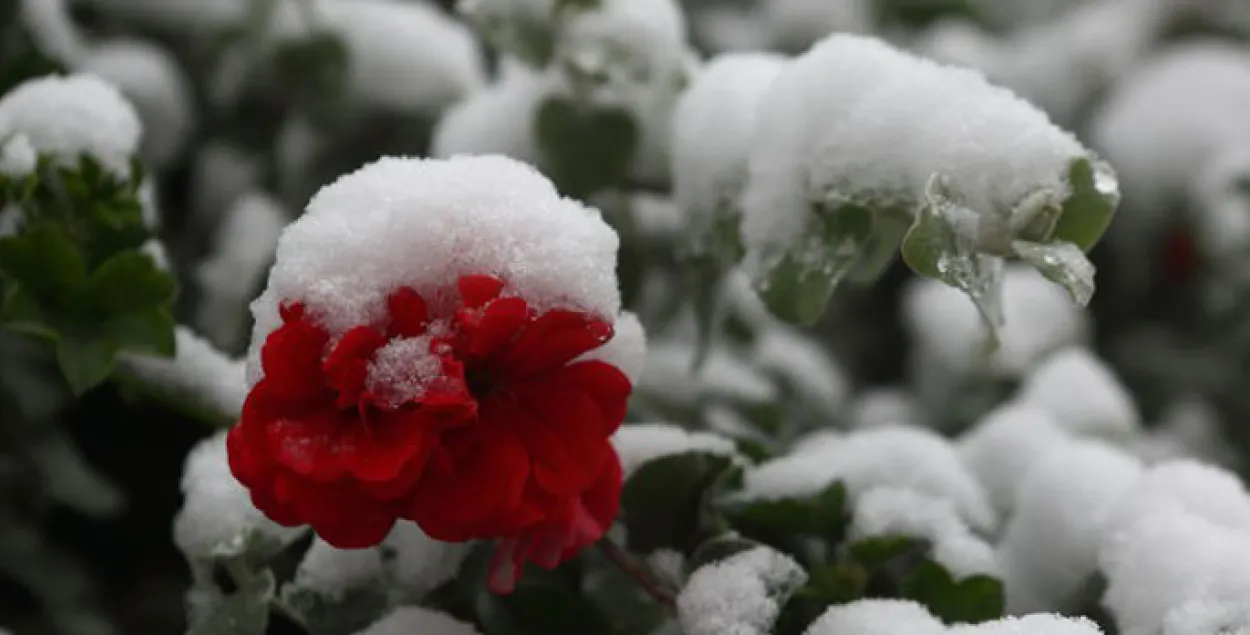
x=881, y=249
x=1088, y=211
x=798, y=288
x=942, y=244
x=1062, y=263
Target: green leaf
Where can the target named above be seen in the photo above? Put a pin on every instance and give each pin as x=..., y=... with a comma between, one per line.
x=1062, y=263
x=45, y=264
x=246, y=612
x=147, y=332
x=823, y=515
x=881, y=249
x=1088, y=210
x=86, y=361
x=974, y=599
x=666, y=502
x=541, y=606
x=720, y=548
x=586, y=149
x=798, y=287
x=627, y=608
x=827, y=585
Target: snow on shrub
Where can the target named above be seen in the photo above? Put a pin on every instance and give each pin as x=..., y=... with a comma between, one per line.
x=1082, y=395
x=1001, y=448
x=742, y=594
x=877, y=617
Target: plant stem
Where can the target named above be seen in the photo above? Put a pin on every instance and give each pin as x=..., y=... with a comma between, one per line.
x=641, y=573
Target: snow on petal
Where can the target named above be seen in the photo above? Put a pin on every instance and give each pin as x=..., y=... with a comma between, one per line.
x=877, y=617
x=217, y=515
x=1001, y=448
x=636, y=444
x=1082, y=395
x=71, y=115
x=740, y=595
x=889, y=511
x=416, y=620
x=1064, y=507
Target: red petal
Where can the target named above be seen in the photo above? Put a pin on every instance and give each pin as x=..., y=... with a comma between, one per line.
x=311, y=447
x=342, y=516
x=392, y=443
x=409, y=315
x=291, y=357
x=479, y=289
x=604, y=383
x=564, y=435
x=495, y=326
x=491, y=476
x=553, y=340
x=603, y=499
x=347, y=367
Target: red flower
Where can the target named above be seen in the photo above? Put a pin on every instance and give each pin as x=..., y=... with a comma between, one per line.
x=474, y=422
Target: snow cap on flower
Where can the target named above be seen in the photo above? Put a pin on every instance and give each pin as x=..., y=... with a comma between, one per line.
x=71, y=115
x=430, y=347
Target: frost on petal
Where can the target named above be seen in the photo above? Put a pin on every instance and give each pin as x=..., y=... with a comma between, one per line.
x=888, y=511
x=415, y=620
x=422, y=223
x=421, y=563
x=713, y=131
x=627, y=350
x=149, y=76
x=403, y=56
x=1064, y=507
x=741, y=595
x=1001, y=448
x=637, y=444
x=1082, y=395
x=217, y=516
x=331, y=573
x=1036, y=624
x=1167, y=559
x=498, y=119
x=68, y=116
x=877, y=617
x=892, y=456
x=242, y=250
x=198, y=372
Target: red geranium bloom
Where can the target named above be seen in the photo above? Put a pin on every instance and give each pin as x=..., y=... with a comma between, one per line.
x=474, y=422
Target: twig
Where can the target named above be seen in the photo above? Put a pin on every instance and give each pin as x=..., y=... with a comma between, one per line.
x=626, y=562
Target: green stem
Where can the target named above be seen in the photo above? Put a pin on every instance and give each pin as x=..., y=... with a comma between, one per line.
x=641, y=573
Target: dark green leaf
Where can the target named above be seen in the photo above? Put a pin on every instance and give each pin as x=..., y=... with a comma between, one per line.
x=1089, y=209
x=45, y=263
x=627, y=608
x=974, y=599
x=720, y=548
x=246, y=612
x=666, y=502
x=585, y=149
x=148, y=332
x=85, y=360
x=128, y=282
x=822, y=515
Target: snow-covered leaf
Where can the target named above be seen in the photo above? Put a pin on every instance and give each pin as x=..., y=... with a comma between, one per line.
x=1062, y=263
x=245, y=612
x=665, y=504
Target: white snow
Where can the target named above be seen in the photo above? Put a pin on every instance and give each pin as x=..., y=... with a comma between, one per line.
x=855, y=119
x=331, y=573
x=178, y=16
x=198, y=372
x=423, y=223
x=421, y=563
x=52, y=29
x=1189, y=428
x=713, y=134
x=1082, y=395
x=622, y=45
x=17, y=157
x=627, y=350
x=403, y=369
x=149, y=76
x=738, y=595
x=221, y=174
x=726, y=375
x=1036, y=624
x=499, y=119
x=795, y=25
x=415, y=620
x=636, y=444
x=889, y=511
x=884, y=406
x=1001, y=448
x=1064, y=506
x=1200, y=617
x=801, y=363
x=404, y=56
x=877, y=617
x=1216, y=495
x=67, y=116
x=217, y=516
x=890, y=456
x=242, y=250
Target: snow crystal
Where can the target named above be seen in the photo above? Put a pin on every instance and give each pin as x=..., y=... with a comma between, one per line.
x=1169, y=558
x=884, y=406
x=421, y=563
x=1082, y=395
x=877, y=617
x=243, y=249
x=888, y=511
x=713, y=129
x=422, y=223
x=402, y=369
x=415, y=620
x=17, y=157
x=1205, y=618
x=1039, y=318
x=1063, y=507
x=403, y=56
x=331, y=572
x=795, y=25
x=627, y=350
x=637, y=444
x=738, y=595
x=726, y=375
x=1001, y=448
x=802, y=363
x=217, y=515
x=499, y=119
x=895, y=456
x=149, y=76
x=855, y=119
x=1036, y=624
x=198, y=372
x=67, y=116
x=52, y=29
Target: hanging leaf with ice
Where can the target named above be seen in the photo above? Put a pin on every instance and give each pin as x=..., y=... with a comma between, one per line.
x=862, y=150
